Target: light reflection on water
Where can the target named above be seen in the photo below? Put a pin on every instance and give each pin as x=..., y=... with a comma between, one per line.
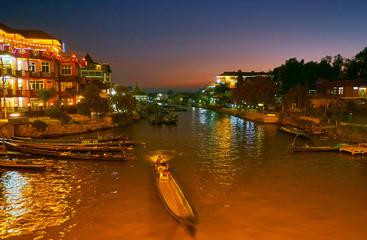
x=31, y=201
x=223, y=141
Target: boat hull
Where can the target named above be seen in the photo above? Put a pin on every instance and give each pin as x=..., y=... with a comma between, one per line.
x=22, y=164
x=65, y=155
x=175, y=200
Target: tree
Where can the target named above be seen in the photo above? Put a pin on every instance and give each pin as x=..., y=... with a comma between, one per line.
x=71, y=92
x=221, y=93
x=325, y=68
x=361, y=62
x=123, y=100
x=337, y=66
x=45, y=95
x=259, y=90
x=92, y=101
x=298, y=95
x=264, y=90
x=288, y=74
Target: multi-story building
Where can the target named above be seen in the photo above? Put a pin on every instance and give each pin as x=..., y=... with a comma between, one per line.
x=231, y=78
x=99, y=73
x=32, y=60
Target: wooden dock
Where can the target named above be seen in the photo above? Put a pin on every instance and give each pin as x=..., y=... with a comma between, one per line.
x=355, y=149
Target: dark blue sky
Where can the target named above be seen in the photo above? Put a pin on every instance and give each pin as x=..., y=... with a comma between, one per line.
x=185, y=44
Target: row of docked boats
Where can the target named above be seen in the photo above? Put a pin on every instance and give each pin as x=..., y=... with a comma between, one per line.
x=107, y=149
x=169, y=120
x=360, y=148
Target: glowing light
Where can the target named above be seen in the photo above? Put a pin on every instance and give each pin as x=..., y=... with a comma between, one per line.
x=14, y=114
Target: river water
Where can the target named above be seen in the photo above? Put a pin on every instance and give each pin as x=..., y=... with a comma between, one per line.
x=237, y=174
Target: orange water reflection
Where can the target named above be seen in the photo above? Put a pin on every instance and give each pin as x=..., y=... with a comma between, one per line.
x=30, y=201
x=225, y=142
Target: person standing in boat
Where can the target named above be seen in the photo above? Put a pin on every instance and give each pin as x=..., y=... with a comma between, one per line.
x=159, y=161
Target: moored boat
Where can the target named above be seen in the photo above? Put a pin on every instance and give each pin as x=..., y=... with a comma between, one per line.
x=155, y=120
x=78, y=147
x=67, y=154
x=28, y=163
x=172, y=119
x=84, y=141
x=299, y=132
x=73, y=143
x=173, y=197
x=307, y=148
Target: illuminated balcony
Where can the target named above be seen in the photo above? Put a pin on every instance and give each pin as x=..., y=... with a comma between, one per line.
x=29, y=74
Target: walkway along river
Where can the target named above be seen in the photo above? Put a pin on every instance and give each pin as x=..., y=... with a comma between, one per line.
x=237, y=174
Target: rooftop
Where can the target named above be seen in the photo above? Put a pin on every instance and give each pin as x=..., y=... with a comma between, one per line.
x=347, y=83
x=27, y=33
x=243, y=73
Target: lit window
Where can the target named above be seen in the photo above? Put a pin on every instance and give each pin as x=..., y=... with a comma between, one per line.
x=65, y=85
x=36, y=85
x=32, y=66
x=66, y=70
x=333, y=91
x=355, y=88
x=45, y=67
x=341, y=90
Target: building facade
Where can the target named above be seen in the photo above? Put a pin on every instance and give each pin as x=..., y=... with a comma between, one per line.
x=231, y=78
x=32, y=60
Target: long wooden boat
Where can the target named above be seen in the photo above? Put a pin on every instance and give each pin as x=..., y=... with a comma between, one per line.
x=173, y=198
x=29, y=163
x=155, y=120
x=313, y=149
x=83, y=141
x=299, y=132
x=77, y=147
x=66, y=154
x=80, y=143
x=172, y=119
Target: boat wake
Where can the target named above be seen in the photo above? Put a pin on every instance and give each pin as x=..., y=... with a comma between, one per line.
x=168, y=154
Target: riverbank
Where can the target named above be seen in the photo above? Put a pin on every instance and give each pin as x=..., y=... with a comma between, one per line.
x=79, y=124
x=343, y=132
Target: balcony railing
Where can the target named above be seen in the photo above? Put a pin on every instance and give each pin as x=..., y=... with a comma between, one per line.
x=28, y=74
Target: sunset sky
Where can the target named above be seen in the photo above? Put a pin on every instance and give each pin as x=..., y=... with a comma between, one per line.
x=184, y=44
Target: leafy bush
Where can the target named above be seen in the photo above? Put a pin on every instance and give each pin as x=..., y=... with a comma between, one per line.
x=40, y=125
x=65, y=118
x=56, y=112
x=119, y=118
x=83, y=109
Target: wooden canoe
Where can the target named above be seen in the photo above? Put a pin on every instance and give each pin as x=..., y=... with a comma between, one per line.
x=299, y=132
x=314, y=149
x=74, y=143
x=83, y=141
x=29, y=164
x=66, y=155
x=76, y=147
x=174, y=199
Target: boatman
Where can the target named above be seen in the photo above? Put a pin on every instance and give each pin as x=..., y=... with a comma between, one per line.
x=159, y=161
